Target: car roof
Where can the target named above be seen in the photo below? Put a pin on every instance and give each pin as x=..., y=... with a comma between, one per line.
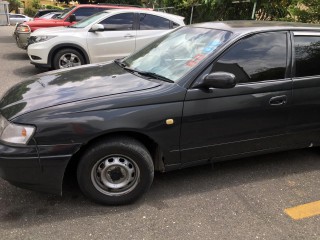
x=160, y=14
x=50, y=10
x=106, y=5
x=17, y=14
x=243, y=27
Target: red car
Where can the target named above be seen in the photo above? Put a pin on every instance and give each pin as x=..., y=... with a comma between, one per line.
x=76, y=13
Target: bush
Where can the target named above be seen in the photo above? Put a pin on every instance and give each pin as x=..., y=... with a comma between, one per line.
x=53, y=7
x=30, y=12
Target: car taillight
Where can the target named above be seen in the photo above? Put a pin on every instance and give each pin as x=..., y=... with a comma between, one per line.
x=24, y=28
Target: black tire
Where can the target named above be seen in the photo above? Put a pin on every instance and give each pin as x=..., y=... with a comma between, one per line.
x=68, y=53
x=115, y=162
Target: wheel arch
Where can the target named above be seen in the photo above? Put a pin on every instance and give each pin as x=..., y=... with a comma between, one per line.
x=59, y=47
x=151, y=145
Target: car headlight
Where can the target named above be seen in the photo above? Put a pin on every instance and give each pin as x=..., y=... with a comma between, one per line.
x=42, y=38
x=23, y=28
x=15, y=133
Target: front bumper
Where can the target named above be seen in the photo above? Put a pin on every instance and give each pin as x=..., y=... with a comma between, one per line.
x=38, y=54
x=39, y=168
x=21, y=39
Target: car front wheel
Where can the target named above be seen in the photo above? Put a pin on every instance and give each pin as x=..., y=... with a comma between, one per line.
x=116, y=171
x=66, y=58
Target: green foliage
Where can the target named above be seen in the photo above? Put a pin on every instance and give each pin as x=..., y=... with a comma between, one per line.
x=14, y=5
x=53, y=7
x=211, y=10
x=272, y=9
x=35, y=4
x=305, y=11
x=30, y=11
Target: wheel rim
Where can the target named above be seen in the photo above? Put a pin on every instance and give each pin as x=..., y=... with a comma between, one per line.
x=115, y=175
x=69, y=60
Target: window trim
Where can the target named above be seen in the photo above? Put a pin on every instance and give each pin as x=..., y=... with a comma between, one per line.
x=288, y=71
x=306, y=33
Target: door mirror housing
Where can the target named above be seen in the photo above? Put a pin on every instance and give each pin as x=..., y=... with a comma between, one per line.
x=72, y=18
x=218, y=80
x=97, y=28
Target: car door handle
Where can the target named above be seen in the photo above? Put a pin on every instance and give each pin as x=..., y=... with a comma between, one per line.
x=128, y=36
x=278, y=100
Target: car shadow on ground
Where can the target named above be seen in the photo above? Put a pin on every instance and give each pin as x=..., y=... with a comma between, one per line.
x=28, y=71
x=16, y=56
x=20, y=208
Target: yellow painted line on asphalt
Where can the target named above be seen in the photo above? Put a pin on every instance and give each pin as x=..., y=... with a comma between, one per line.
x=304, y=211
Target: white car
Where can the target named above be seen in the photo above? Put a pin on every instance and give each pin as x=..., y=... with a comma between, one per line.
x=107, y=35
x=51, y=15
x=18, y=18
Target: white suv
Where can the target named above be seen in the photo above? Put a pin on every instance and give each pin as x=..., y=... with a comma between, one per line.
x=107, y=35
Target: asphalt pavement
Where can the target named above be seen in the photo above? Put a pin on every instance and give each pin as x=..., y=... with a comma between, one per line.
x=241, y=199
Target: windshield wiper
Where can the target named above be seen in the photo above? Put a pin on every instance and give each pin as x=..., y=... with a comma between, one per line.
x=156, y=76
x=142, y=73
x=120, y=63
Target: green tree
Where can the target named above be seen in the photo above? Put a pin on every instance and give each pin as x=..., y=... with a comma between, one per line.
x=36, y=4
x=272, y=9
x=14, y=5
x=307, y=11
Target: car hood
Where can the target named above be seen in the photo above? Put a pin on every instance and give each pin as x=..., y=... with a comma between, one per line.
x=44, y=23
x=71, y=85
x=54, y=31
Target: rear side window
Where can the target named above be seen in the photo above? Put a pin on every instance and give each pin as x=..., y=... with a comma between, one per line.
x=257, y=58
x=119, y=22
x=307, y=55
x=151, y=22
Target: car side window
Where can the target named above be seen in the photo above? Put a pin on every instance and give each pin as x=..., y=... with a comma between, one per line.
x=307, y=55
x=86, y=12
x=119, y=22
x=260, y=57
x=151, y=22
x=175, y=25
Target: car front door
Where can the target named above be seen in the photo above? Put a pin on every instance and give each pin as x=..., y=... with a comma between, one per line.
x=251, y=117
x=116, y=41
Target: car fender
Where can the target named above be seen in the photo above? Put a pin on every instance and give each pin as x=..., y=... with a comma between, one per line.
x=67, y=45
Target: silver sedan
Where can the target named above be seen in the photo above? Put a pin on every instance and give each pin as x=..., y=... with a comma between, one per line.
x=18, y=18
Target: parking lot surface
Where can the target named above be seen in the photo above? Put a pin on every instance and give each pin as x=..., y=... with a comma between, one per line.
x=252, y=198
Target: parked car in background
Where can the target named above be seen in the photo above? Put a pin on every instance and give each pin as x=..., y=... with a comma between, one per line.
x=104, y=36
x=18, y=18
x=51, y=15
x=42, y=12
x=75, y=14
x=200, y=94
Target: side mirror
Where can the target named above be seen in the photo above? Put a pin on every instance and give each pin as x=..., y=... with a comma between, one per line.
x=72, y=18
x=97, y=28
x=218, y=80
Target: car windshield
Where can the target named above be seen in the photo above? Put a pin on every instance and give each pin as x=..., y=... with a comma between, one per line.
x=64, y=14
x=48, y=15
x=176, y=54
x=87, y=21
